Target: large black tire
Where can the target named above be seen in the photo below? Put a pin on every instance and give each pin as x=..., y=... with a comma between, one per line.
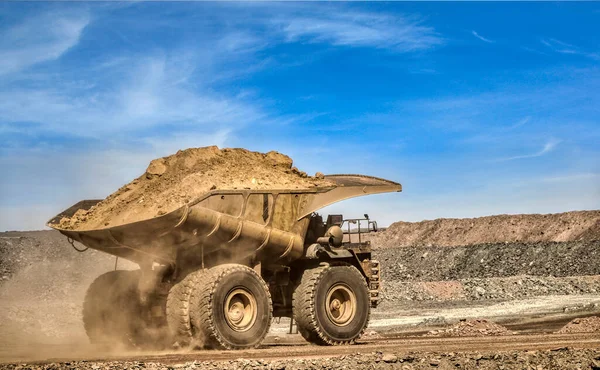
x=314, y=316
x=112, y=310
x=178, y=308
x=238, y=288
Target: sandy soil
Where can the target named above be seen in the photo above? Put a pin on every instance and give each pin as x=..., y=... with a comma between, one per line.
x=173, y=181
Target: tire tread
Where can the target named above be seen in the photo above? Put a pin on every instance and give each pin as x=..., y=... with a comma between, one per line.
x=178, y=308
x=304, y=309
x=202, y=298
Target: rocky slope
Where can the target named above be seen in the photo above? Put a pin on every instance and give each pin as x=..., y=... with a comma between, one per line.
x=528, y=228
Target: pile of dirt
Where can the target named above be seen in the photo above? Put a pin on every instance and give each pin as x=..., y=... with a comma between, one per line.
x=471, y=328
x=582, y=325
x=560, y=227
x=181, y=178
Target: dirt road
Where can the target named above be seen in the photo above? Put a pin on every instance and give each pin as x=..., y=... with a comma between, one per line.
x=415, y=351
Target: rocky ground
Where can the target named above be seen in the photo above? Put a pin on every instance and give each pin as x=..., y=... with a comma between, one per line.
x=490, y=260
x=559, y=358
x=488, y=271
x=43, y=281
x=471, y=328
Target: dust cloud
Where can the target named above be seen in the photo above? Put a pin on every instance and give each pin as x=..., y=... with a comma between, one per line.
x=42, y=287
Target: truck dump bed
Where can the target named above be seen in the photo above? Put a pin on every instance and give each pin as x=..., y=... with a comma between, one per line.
x=229, y=225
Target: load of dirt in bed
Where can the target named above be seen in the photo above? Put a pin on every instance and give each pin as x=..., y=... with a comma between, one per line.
x=527, y=228
x=173, y=181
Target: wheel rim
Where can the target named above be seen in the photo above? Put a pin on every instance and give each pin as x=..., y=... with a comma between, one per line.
x=240, y=309
x=340, y=304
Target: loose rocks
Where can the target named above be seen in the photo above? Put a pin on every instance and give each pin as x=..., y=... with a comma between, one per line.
x=515, y=287
x=471, y=328
x=564, y=359
x=490, y=260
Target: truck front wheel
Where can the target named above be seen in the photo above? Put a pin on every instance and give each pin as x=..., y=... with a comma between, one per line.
x=331, y=305
x=231, y=308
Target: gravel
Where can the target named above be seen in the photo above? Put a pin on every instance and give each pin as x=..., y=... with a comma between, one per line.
x=515, y=287
x=471, y=328
x=560, y=358
x=489, y=261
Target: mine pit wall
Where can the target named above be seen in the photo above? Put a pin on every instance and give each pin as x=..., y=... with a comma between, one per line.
x=493, y=271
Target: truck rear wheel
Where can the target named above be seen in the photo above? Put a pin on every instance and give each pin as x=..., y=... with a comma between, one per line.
x=232, y=308
x=112, y=310
x=178, y=308
x=332, y=305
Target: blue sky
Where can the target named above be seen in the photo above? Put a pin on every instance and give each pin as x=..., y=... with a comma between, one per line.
x=476, y=108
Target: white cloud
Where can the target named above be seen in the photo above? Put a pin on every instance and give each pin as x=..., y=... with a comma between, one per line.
x=153, y=91
x=520, y=123
x=564, y=48
x=548, y=147
x=481, y=37
x=39, y=39
x=359, y=29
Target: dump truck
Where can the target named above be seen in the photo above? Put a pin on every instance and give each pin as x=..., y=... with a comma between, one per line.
x=216, y=271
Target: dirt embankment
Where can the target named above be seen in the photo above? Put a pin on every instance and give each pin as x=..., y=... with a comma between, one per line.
x=183, y=177
x=582, y=325
x=528, y=228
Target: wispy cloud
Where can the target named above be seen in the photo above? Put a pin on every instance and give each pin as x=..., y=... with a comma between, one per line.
x=146, y=93
x=564, y=48
x=481, y=37
x=520, y=123
x=548, y=147
x=39, y=39
x=359, y=29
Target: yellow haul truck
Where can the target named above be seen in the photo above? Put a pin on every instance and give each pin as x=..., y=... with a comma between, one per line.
x=215, y=272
